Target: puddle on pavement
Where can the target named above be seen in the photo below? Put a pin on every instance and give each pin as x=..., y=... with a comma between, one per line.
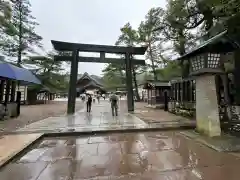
x=148, y=155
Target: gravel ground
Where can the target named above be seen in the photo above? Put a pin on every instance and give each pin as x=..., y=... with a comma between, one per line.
x=33, y=113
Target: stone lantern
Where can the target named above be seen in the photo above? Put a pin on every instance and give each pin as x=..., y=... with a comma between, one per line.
x=205, y=63
x=204, y=67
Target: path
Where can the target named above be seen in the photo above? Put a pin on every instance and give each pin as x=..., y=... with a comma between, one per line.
x=33, y=113
x=131, y=156
x=100, y=119
x=118, y=155
x=151, y=115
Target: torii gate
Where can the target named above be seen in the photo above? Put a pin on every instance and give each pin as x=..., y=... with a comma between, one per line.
x=75, y=48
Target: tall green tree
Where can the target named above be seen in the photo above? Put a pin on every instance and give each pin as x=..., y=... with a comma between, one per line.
x=115, y=73
x=170, y=71
x=175, y=28
x=46, y=68
x=25, y=39
x=45, y=63
x=205, y=14
x=6, y=27
x=130, y=37
x=5, y=14
x=148, y=36
x=112, y=80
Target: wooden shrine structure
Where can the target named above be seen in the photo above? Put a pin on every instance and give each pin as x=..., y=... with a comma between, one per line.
x=155, y=92
x=75, y=48
x=86, y=82
x=216, y=101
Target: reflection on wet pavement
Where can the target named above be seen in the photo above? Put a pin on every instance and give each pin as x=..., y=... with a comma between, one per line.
x=100, y=119
x=125, y=156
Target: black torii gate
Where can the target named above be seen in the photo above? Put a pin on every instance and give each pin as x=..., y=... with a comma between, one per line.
x=75, y=48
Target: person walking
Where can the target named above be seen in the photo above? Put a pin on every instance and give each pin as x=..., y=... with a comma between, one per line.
x=114, y=104
x=98, y=98
x=89, y=103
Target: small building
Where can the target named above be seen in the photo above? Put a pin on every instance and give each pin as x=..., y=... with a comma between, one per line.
x=86, y=82
x=40, y=94
x=155, y=91
x=182, y=97
x=217, y=101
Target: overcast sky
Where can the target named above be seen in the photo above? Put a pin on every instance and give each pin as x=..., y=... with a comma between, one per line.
x=88, y=21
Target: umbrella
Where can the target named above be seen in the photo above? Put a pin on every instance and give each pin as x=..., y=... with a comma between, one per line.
x=13, y=72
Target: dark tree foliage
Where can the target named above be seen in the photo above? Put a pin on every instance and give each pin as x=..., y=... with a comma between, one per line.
x=24, y=39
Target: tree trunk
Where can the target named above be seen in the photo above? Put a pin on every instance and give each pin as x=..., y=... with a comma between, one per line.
x=19, y=60
x=152, y=62
x=135, y=84
x=182, y=51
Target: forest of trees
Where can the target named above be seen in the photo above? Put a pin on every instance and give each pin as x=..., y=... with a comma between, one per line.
x=20, y=42
x=169, y=33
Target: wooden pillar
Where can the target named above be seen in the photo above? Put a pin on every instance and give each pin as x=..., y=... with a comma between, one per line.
x=18, y=100
x=188, y=91
x=130, y=101
x=182, y=91
x=25, y=96
x=7, y=91
x=185, y=91
x=13, y=91
x=179, y=91
x=175, y=88
x=192, y=91
x=73, y=79
x=2, y=83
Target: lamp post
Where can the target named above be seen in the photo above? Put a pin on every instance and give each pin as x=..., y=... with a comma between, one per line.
x=205, y=63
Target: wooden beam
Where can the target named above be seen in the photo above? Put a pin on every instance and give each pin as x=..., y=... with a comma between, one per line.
x=99, y=60
x=68, y=46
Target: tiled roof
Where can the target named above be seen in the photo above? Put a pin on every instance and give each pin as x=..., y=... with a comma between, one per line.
x=87, y=76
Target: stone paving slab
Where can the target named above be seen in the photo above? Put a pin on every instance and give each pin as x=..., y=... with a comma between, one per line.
x=224, y=143
x=122, y=156
x=100, y=119
x=11, y=145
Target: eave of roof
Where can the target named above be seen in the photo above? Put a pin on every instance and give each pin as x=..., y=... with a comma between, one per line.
x=86, y=75
x=212, y=41
x=156, y=84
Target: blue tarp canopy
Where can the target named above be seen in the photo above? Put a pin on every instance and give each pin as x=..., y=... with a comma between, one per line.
x=13, y=72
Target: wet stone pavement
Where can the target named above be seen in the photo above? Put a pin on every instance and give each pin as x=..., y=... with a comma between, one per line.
x=116, y=156
x=100, y=119
x=125, y=156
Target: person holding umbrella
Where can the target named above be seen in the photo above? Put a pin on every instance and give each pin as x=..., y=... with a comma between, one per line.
x=114, y=104
x=89, y=103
